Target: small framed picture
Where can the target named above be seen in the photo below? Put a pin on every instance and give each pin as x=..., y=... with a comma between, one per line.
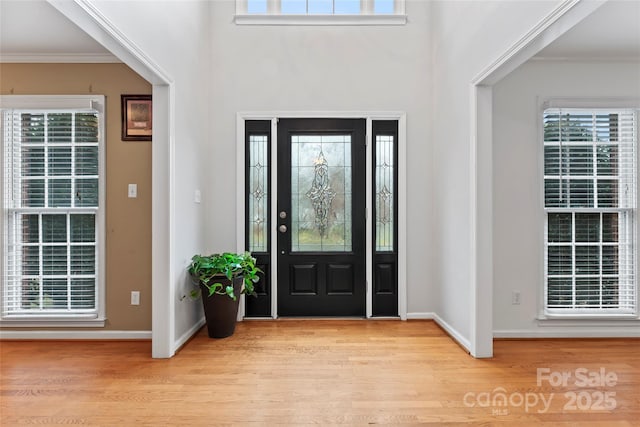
x=137, y=117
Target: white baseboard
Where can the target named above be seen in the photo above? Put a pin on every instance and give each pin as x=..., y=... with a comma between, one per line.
x=420, y=316
x=185, y=337
x=464, y=342
x=75, y=335
x=450, y=330
x=568, y=333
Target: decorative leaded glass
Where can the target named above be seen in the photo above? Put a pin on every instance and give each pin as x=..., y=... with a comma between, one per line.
x=384, y=193
x=258, y=193
x=321, y=199
x=321, y=194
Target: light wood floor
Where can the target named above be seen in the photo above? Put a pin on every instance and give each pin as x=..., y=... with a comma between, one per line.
x=299, y=372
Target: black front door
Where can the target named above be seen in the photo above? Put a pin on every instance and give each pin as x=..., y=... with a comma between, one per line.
x=321, y=217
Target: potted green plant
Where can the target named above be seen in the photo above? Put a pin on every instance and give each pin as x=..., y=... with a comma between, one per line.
x=220, y=279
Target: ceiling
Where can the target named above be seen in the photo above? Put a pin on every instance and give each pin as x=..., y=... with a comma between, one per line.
x=611, y=32
x=34, y=31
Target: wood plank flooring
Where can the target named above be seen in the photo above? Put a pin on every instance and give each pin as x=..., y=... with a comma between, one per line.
x=322, y=372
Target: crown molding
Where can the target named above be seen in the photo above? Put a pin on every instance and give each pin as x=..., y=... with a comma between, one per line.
x=562, y=18
x=602, y=59
x=59, y=58
x=90, y=19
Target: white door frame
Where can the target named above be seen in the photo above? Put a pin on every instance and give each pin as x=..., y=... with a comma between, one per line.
x=369, y=116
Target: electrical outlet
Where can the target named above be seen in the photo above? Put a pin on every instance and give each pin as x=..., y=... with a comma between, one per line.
x=515, y=298
x=135, y=297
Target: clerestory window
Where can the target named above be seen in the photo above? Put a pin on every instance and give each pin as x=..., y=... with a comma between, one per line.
x=310, y=12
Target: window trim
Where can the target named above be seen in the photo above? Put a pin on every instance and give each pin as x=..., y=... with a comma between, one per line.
x=365, y=17
x=53, y=102
x=584, y=318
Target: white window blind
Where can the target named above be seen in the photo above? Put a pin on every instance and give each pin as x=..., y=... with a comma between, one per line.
x=590, y=203
x=51, y=201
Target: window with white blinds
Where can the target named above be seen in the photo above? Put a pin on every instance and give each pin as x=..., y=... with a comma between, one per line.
x=52, y=212
x=590, y=203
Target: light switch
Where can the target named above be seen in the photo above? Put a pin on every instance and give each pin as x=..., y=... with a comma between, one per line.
x=135, y=297
x=133, y=191
x=197, y=197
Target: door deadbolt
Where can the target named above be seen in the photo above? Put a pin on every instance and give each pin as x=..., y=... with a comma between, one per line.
x=283, y=215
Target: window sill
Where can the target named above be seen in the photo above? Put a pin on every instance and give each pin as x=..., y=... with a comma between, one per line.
x=320, y=19
x=52, y=322
x=588, y=320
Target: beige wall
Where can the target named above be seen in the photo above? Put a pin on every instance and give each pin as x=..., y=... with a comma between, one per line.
x=128, y=221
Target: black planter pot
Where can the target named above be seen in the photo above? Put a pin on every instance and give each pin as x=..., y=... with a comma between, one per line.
x=220, y=311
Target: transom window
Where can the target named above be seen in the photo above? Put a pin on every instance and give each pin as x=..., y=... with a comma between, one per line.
x=323, y=7
x=320, y=11
x=590, y=203
x=52, y=211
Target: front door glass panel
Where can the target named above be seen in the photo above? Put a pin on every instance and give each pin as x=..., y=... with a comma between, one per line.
x=321, y=193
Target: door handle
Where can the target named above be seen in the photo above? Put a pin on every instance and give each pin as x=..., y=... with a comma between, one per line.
x=282, y=228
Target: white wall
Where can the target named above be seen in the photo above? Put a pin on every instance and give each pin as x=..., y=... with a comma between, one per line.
x=175, y=36
x=517, y=187
x=423, y=68
x=468, y=36
x=324, y=68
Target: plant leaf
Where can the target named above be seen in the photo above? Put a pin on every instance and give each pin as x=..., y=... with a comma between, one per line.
x=230, y=292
